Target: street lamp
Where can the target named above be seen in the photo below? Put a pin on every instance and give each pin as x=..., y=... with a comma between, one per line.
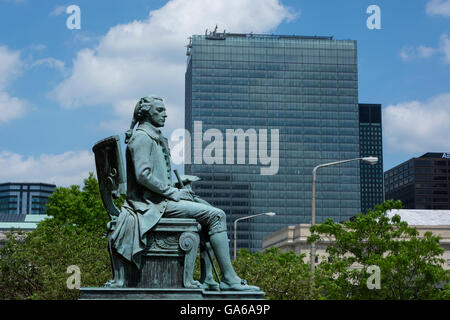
x=270, y=214
x=369, y=160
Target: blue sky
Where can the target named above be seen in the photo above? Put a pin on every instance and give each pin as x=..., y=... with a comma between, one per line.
x=62, y=90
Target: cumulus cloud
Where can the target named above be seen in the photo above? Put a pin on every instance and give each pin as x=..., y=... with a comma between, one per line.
x=409, y=53
x=11, y=107
x=146, y=57
x=10, y=67
x=417, y=126
x=63, y=169
x=438, y=7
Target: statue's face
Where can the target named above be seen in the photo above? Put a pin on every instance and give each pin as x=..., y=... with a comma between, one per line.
x=158, y=114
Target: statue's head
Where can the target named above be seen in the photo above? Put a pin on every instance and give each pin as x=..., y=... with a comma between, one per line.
x=148, y=109
x=152, y=109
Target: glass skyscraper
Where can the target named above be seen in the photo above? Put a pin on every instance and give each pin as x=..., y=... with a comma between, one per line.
x=304, y=87
x=371, y=145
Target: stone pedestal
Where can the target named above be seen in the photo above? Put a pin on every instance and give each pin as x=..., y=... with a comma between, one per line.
x=166, y=294
x=168, y=259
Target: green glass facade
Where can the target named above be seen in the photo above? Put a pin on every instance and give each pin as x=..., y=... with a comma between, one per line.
x=307, y=88
x=371, y=145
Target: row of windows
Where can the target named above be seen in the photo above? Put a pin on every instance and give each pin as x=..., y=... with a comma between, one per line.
x=321, y=113
x=314, y=126
x=420, y=163
x=246, y=76
x=431, y=191
x=269, y=90
x=371, y=134
x=280, y=106
x=242, y=49
x=274, y=98
x=256, y=57
x=333, y=79
x=275, y=41
x=304, y=68
x=434, y=199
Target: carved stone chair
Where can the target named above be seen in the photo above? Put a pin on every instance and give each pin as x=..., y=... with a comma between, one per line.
x=169, y=257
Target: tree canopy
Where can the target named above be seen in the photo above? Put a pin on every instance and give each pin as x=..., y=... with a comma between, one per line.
x=34, y=265
x=82, y=208
x=410, y=265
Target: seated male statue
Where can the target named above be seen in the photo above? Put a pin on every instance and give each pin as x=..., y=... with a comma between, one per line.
x=152, y=195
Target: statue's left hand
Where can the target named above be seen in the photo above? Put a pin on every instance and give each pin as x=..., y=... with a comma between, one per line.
x=186, y=194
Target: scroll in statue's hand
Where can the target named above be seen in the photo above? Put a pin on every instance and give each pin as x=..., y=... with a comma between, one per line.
x=187, y=180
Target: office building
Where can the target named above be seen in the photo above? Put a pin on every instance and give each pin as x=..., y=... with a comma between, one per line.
x=420, y=183
x=24, y=198
x=304, y=87
x=295, y=238
x=370, y=144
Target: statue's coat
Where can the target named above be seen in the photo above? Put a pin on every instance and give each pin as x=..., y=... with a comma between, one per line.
x=149, y=186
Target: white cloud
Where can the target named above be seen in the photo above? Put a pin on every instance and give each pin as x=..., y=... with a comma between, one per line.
x=417, y=126
x=58, y=10
x=438, y=7
x=148, y=57
x=10, y=67
x=409, y=53
x=61, y=169
x=11, y=107
x=50, y=62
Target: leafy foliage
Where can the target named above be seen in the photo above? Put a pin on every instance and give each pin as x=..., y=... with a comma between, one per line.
x=34, y=266
x=82, y=208
x=410, y=265
x=281, y=275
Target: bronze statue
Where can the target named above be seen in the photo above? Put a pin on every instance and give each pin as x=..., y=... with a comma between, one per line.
x=152, y=197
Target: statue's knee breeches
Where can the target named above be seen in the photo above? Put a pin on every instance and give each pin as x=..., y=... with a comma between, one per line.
x=212, y=219
x=218, y=222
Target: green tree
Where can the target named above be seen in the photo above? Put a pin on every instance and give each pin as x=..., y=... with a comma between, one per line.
x=82, y=208
x=410, y=266
x=34, y=265
x=281, y=275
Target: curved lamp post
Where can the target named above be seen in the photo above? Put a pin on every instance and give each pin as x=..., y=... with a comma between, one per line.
x=270, y=214
x=370, y=160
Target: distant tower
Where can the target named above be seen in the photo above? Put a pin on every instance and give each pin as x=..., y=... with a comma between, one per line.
x=370, y=143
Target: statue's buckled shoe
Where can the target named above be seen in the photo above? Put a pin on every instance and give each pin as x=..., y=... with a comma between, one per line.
x=210, y=286
x=237, y=286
